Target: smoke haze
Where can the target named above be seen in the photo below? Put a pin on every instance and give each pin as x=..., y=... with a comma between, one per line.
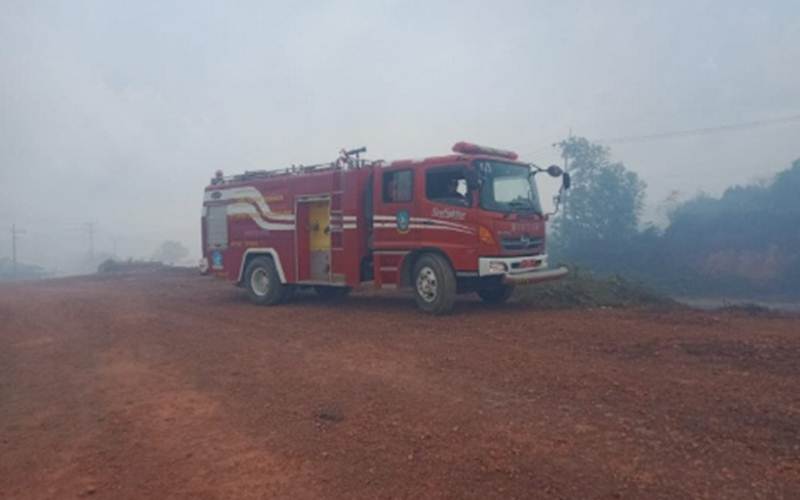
x=117, y=113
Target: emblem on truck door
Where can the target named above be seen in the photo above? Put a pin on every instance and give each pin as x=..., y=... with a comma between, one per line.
x=216, y=259
x=403, y=221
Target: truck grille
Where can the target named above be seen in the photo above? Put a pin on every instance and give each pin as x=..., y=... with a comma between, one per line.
x=521, y=243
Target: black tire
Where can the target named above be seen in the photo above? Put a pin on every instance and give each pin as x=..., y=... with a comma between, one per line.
x=262, y=282
x=497, y=294
x=434, y=284
x=332, y=292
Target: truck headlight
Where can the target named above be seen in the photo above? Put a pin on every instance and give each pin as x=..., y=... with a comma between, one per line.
x=497, y=266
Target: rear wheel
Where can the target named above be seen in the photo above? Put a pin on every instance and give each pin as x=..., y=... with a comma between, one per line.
x=332, y=292
x=497, y=294
x=434, y=284
x=263, y=283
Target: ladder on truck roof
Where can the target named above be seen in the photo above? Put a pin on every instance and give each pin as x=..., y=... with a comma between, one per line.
x=347, y=160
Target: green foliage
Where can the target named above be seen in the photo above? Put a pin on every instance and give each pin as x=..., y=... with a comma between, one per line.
x=745, y=242
x=752, y=233
x=170, y=252
x=602, y=210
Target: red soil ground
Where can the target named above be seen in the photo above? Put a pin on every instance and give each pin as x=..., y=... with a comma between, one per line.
x=173, y=386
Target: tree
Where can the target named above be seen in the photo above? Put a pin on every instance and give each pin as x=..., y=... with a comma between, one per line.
x=744, y=241
x=604, y=207
x=21, y=272
x=170, y=252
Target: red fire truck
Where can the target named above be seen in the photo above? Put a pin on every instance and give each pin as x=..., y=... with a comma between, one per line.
x=470, y=221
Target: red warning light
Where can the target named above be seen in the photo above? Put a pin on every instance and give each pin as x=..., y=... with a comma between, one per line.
x=468, y=148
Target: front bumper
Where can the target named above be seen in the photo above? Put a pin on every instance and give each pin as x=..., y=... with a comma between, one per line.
x=519, y=270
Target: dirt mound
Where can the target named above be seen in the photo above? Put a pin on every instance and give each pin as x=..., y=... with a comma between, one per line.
x=748, y=308
x=581, y=289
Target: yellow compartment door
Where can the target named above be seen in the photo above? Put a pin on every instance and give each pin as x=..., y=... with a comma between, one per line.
x=319, y=218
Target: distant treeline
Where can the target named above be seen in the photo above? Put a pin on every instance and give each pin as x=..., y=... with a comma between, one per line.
x=8, y=271
x=744, y=243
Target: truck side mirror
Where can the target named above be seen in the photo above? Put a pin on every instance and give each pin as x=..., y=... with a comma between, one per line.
x=554, y=171
x=566, y=181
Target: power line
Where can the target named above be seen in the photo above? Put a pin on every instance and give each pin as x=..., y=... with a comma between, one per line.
x=731, y=127
x=701, y=131
x=533, y=155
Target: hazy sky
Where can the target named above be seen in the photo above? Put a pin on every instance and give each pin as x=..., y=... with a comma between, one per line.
x=117, y=113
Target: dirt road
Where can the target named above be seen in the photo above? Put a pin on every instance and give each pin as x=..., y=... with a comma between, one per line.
x=174, y=386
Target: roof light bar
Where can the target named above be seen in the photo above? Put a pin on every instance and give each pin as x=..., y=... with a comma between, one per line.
x=469, y=148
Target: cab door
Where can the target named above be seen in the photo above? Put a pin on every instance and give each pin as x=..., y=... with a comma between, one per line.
x=395, y=221
x=449, y=214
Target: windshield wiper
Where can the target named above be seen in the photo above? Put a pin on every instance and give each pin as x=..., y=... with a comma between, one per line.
x=522, y=204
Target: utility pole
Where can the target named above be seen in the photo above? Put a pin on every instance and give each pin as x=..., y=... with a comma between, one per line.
x=90, y=229
x=14, y=233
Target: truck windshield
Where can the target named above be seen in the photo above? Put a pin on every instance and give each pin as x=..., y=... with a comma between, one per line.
x=507, y=187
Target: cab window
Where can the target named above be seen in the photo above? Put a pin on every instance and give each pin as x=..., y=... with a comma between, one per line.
x=447, y=185
x=398, y=186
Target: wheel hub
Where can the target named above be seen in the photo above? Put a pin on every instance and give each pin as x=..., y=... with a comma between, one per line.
x=427, y=286
x=259, y=282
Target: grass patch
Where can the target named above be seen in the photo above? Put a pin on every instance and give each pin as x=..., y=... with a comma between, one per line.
x=747, y=308
x=582, y=289
x=109, y=266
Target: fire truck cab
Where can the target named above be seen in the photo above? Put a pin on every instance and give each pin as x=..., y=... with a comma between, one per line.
x=470, y=221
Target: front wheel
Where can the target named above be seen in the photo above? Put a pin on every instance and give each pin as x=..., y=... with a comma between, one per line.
x=263, y=283
x=497, y=294
x=434, y=284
